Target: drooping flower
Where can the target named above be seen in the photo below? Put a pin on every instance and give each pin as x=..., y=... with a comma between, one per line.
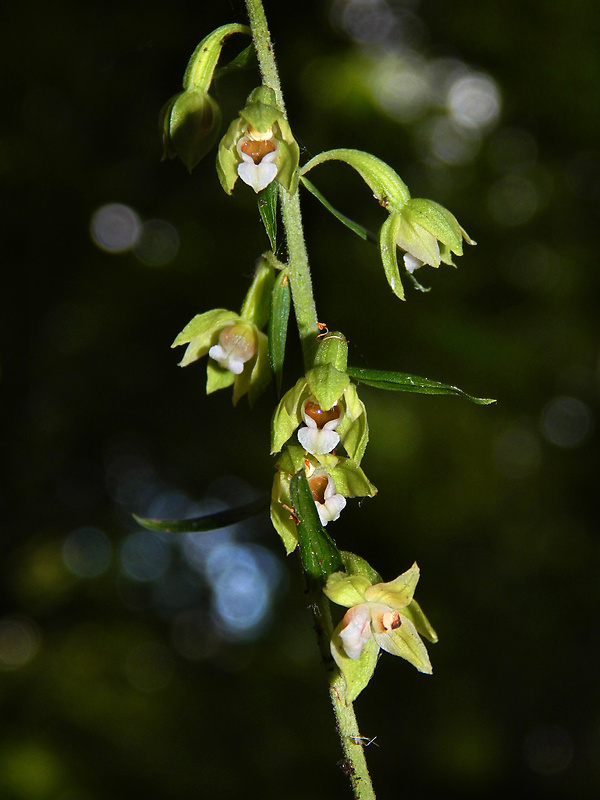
x=425, y=231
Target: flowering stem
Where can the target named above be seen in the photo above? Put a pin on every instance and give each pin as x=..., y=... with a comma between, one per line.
x=355, y=764
x=298, y=269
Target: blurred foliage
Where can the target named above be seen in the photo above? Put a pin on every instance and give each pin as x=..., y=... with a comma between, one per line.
x=102, y=693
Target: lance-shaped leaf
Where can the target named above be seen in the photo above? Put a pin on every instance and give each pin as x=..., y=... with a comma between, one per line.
x=319, y=553
x=267, y=207
x=402, y=382
x=278, y=325
x=208, y=522
x=349, y=223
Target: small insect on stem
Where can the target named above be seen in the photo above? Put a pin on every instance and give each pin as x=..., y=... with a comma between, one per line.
x=364, y=740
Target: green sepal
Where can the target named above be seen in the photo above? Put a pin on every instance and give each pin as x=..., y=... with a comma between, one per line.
x=327, y=384
x=350, y=480
x=397, y=593
x=402, y=382
x=278, y=325
x=349, y=223
x=217, y=377
x=388, y=250
x=208, y=522
x=259, y=377
x=438, y=221
x=354, y=427
x=356, y=565
x=411, y=237
x=290, y=461
x=419, y=620
x=318, y=552
x=286, y=417
x=261, y=110
x=346, y=590
x=202, y=332
x=256, y=305
x=357, y=672
x=387, y=186
x=227, y=156
x=203, y=61
x=267, y=208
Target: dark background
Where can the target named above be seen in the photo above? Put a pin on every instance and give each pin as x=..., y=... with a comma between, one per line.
x=122, y=671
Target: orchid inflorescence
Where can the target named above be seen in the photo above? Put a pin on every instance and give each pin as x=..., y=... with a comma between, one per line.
x=319, y=429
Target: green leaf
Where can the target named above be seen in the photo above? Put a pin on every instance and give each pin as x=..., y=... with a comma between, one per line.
x=267, y=206
x=278, y=325
x=319, y=554
x=354, y=226
x=244, y=60
x=402, y=382
x=209, y=522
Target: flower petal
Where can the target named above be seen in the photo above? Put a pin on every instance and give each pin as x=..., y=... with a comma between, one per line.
x=355, y=630
x=403, y=641
x=317, y=442
x=346, y=590
x=397, y=593
x=258, y=176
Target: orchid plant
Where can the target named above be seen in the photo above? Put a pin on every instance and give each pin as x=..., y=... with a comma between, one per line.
x=319, y=428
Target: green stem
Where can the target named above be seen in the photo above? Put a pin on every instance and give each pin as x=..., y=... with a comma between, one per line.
x=299, y=272
x=306, y=318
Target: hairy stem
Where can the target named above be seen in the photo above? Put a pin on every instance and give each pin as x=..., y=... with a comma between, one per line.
x=298, y=269
x=355, y=764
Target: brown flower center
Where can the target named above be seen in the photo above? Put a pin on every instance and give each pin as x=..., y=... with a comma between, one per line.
x=257, y=149
x=317, y=486
x=321, y=417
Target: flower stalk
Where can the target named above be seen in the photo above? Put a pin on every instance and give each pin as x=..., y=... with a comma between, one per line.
x=306, y=317
x=298, y=268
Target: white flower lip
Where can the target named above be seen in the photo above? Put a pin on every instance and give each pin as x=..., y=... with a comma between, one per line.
x=318, y=440
x=260, y=169
x=333, y=503
x=357, y=630
x=233, y=350
x=411, y=263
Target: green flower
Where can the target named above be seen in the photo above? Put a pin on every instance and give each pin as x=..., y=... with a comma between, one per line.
x=425, y=231
x=259, y=146
x=380, y=616
x=331, y=480
x=237, y=350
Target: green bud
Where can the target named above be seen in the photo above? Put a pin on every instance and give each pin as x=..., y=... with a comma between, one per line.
x=190, y=126
x=259, y=146
x=189, y=122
